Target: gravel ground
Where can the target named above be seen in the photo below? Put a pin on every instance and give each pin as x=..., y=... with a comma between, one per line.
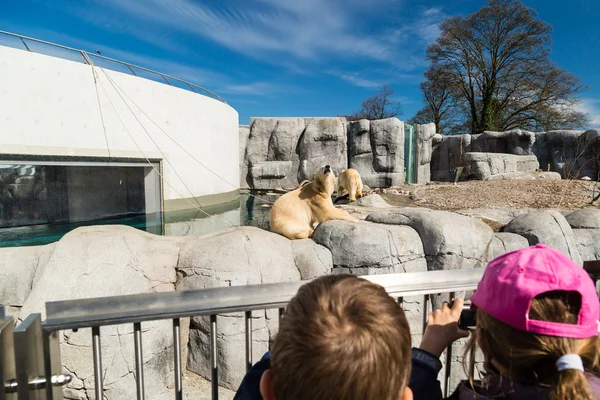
x=561, y=194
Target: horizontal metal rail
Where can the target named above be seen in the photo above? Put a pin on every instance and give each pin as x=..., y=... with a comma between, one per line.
x=86, y=56
x=101, y=311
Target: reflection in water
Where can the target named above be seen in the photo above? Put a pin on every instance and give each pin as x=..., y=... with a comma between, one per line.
x=245, y=211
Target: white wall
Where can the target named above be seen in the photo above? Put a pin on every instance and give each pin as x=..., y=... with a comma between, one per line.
x=49, y=106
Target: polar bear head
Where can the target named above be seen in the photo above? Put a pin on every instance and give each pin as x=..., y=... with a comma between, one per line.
x=325, y=180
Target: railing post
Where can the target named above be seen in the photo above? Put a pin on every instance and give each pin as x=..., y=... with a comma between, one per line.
x=85, y=57
x=177, y=355
x=248, y=320
x=28, y=351
x=191, y=87
x=131, y=69
x=98, y=390
x=425, y=311
x=165, y=79
x=214, y=374
x=139, y=360
x=24, y=44
x=448, y=368
x=8, y=373
x=53, y=366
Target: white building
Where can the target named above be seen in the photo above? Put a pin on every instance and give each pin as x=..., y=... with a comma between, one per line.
x=80, y=141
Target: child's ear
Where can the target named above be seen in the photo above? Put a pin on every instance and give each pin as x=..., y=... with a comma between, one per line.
x=266, y=386
x=407, y=394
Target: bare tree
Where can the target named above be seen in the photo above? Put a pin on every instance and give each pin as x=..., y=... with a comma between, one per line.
x=379, y=106
x=496, y=63
x=441, y=105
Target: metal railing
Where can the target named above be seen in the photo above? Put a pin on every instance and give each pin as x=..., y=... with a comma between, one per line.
x=33, y=336
x=22, y=348
x=86, y=57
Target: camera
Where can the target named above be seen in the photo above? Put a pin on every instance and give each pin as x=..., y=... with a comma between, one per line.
x=467, y=318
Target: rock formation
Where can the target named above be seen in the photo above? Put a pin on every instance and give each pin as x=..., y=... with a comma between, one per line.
x=281, y=152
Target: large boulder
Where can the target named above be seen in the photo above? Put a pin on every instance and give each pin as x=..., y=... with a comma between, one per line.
x=109, y=261
x=448, y=154
x=588, y=218
x=323, y=142
x=235, y=257
x=450, y=241
x=376, y=151
x=372, y=200
x=271, y=158
x=487, y=165
x=311, y=259
x=504, y=242
x=18, y=267
x=387, y=136
x=549, y=227
x=560, y=151
x=516, y=142
x=368, y=249
x=588, y=243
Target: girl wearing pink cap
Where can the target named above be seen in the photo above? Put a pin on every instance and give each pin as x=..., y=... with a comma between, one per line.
x=537, y=327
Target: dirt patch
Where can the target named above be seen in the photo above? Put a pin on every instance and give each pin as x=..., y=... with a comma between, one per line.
x=560, y=194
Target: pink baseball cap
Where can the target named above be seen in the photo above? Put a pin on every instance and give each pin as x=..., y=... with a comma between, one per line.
x=511, y=281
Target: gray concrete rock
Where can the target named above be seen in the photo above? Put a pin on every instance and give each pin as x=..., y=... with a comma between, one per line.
x=387, y=137
x=450, y=240
x=425, y=135
x=18, y=266
x=588, y=243
x=516, y=142
x=588, y=218
x=107, y=261
x=323, y=142
x=244, y=131
x=376, y=151
x=504, y=242
x=359, y=137
x=270, y=154
x=548, y=227
x=369, y=249
x=239, y=256
x=526, y=176
x=573, y=154
x=448, y=154
x=484, y=165
x=372, y=200
x=312, y=259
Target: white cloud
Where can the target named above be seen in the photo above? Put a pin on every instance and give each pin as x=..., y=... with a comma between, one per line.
x=357, y=80
x=592, y=108
x=273, y=31
x=259, y=89
x=296, y=35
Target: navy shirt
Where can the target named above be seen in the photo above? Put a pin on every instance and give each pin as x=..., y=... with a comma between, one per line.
x=423, y=380
x=250, y=387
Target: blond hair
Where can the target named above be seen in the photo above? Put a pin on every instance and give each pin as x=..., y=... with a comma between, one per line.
x=530, y=358
x=341, y=337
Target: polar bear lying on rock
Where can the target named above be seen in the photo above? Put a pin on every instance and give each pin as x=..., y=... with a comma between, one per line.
x=295, y=214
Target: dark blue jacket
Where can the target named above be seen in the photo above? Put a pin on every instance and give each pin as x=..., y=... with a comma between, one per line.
x=423, y=380
x=425, y=385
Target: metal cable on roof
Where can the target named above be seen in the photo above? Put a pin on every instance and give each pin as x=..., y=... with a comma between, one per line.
x=180, y=146
x=223, y=219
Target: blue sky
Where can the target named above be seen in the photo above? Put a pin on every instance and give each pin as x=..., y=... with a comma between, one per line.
x=291, y=57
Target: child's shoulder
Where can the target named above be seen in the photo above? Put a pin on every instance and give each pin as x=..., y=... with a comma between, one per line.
x=250, y=387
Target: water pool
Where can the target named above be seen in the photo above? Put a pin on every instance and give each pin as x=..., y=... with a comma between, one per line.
x=247, y=210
